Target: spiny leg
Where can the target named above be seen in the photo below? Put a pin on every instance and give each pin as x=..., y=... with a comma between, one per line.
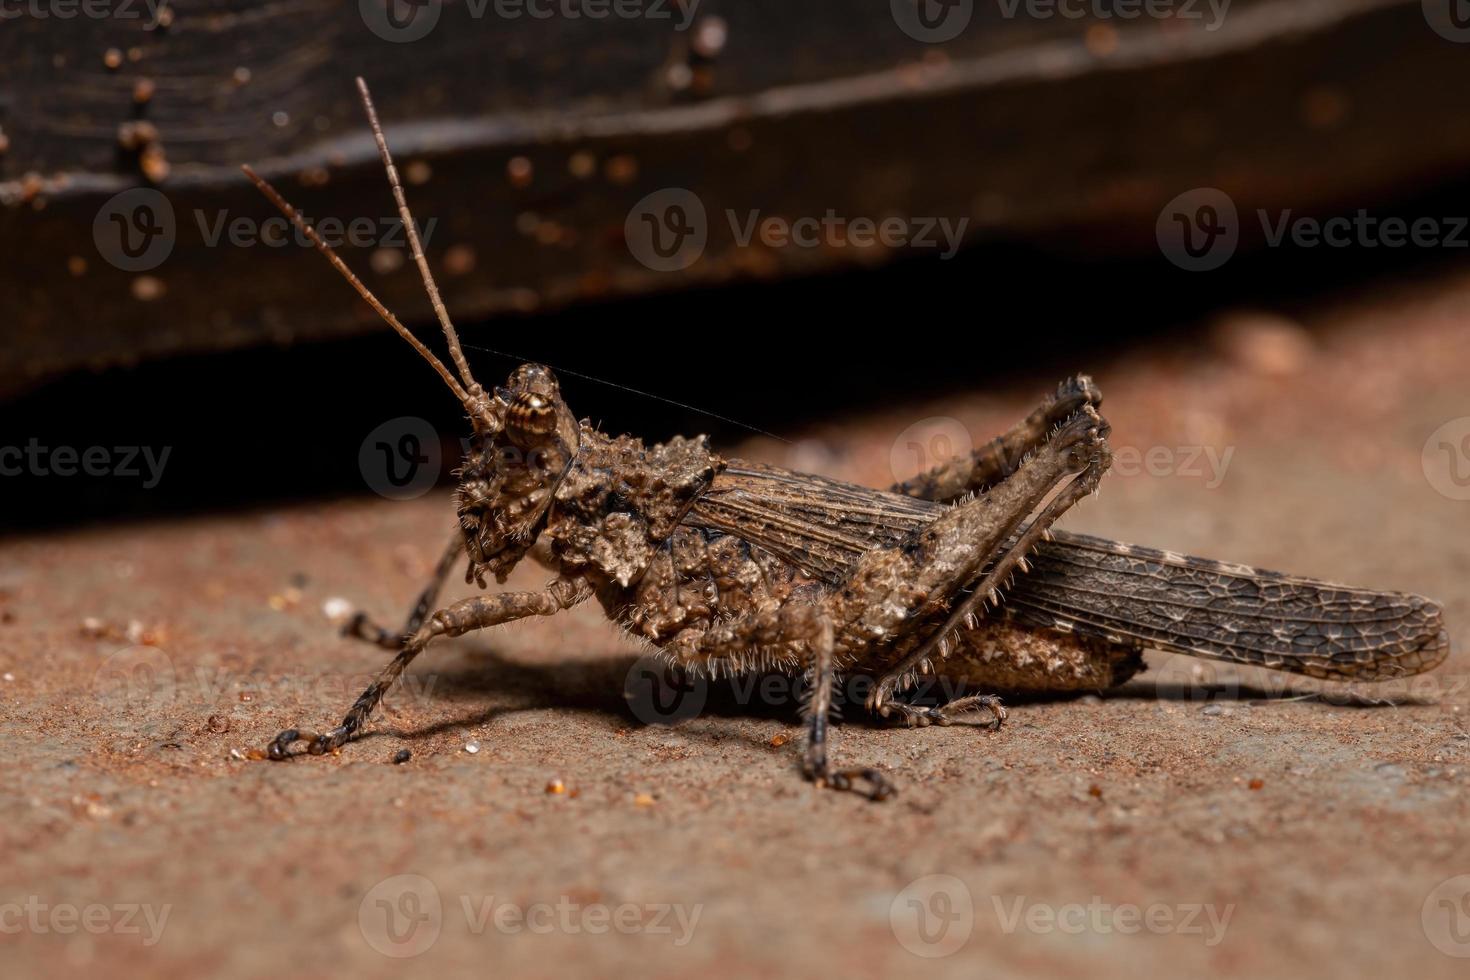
x=478, y=612
x=362, y=627
x=1093, y=457
x=999, y=458
x=790, y=625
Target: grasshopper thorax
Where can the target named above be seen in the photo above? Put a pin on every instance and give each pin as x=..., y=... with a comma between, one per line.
x=521, y=448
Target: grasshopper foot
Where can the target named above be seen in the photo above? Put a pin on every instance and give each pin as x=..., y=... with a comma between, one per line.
x=948, y=714
x=865, y=782
x=316, y=744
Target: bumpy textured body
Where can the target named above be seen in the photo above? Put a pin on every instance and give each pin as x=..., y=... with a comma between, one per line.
x=734, y=566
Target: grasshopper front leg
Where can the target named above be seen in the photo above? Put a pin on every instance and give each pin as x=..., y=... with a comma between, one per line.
x=474, y=613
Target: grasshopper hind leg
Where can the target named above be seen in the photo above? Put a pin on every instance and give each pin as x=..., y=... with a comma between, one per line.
x=1002, y=456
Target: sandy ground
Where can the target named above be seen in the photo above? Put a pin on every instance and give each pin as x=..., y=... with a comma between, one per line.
x=1193, y=821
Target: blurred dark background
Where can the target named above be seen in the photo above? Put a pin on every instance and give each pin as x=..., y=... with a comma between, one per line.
x=534, y=144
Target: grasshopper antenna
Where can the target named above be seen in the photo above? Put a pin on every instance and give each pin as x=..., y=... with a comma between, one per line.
x=455, y=353
x=306, y=229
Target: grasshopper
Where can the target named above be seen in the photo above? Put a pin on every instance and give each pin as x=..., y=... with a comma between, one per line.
x=736, y=566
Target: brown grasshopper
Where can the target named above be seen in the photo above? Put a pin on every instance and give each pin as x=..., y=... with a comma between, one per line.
x=723, y=564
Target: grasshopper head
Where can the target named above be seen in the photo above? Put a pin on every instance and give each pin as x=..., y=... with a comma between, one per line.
x=512, y=469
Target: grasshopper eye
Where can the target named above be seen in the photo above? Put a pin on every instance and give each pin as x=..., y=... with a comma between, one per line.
x=530, y=415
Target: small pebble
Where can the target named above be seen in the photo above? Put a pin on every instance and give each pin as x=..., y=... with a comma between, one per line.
x=1212, y=710
x=112, y=58
x=218, y=724
x=643, y=799
x=472, y=747
x=556, y=787
x=237, y=754
x=402, y=756
x=1256, y=783
x=337, y=609
x=9, y=676
x=779, y=740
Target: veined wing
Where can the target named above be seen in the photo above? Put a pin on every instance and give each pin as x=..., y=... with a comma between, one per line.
x=821, y=526
x=1103, y=588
